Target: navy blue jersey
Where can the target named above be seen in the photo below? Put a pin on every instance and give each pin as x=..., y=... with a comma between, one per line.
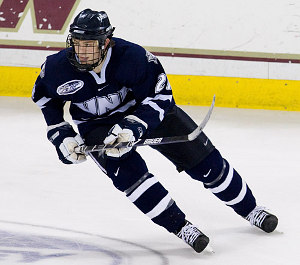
x=131, y=82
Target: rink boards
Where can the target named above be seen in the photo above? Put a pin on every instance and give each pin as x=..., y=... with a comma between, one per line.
x=256, y=93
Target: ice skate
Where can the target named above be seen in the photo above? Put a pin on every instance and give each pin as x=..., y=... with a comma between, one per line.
x=193, y=236
x=262, y=219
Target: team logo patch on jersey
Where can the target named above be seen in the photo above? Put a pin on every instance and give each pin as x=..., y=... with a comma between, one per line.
x=151, y=57
x=70, y=87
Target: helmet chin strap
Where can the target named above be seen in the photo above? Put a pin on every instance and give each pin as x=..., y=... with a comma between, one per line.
x=103, y=53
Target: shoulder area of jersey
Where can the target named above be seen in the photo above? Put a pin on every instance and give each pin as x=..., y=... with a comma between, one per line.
x=134, y=51
x=59, y=57
x=56, y=61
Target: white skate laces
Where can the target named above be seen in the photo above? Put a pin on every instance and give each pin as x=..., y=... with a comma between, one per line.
x=262, y=219
x=257, y=216
x=191, y=235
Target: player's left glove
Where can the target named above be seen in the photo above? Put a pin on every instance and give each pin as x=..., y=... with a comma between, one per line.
x=129, y=129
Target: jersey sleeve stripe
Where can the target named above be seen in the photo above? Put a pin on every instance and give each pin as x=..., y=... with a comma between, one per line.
x=157, y=97
x=157, y=108
x=41, y=102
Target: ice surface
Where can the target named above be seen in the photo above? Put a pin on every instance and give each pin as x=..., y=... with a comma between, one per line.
x=58, y=214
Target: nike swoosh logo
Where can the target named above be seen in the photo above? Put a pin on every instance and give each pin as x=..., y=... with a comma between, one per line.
x=206, y=175
x=206, y=142
x=117, y=172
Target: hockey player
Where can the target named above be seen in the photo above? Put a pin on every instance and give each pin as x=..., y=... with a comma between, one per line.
x=119, y=92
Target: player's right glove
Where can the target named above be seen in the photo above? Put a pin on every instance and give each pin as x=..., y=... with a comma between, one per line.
x=65, y=140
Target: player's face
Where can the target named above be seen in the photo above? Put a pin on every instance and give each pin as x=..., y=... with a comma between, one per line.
x=87, y=51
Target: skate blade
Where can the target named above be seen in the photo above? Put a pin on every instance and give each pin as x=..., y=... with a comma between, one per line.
x=209, y=249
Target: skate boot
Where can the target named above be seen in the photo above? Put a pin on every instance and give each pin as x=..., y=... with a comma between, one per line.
x=191, y=235
x=262, y=219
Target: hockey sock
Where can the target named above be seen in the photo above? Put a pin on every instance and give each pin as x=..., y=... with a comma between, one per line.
x=225, y=183
x=131, y=176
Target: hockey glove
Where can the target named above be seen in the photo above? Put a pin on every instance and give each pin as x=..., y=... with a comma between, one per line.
x=65, y=139
x=129, y=129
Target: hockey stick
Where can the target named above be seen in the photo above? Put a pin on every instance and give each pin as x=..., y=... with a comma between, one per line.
x=151, y=141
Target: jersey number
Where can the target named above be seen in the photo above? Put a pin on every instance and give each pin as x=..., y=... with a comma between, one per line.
x=162, y=83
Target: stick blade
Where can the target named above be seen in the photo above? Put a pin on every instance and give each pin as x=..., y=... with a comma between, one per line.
x=194, y=134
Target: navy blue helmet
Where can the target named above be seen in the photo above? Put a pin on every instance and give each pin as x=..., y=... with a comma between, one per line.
x=89, y=25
